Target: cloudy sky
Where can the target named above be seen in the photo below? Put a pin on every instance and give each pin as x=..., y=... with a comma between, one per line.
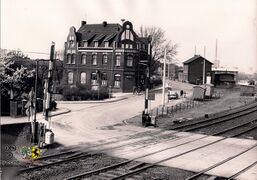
x=31, y=25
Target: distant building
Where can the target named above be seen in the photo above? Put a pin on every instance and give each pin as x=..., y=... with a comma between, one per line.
x=171, y=71
x=222, y=76
x=193, y=69
x=109, y=55
x=180, y=74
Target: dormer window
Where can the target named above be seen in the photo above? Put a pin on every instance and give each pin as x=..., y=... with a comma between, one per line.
x=106, y=44
x=85, y=44
x=96, y=44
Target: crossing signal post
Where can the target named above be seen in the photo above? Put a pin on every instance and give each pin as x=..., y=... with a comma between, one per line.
x=146, y=118
x=48, y=97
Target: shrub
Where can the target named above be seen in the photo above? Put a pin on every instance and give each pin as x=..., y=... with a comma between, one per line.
x=83, y=92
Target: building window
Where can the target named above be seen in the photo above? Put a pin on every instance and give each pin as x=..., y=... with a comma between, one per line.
x=130, y=61
x=70, y=77
x=71, y=43
x=127, y=34
x=73, y=59
x=96, y=44
x=72, y=38
x=126, y=46
x=117, y=62
x=105, y=59
x=84, y=59
x=93, y=78
x=117, y=81
x=68, y=59
x=94, y=59
x=85, y=44
x=104, y=79
x=106, y=44
x=83, y=78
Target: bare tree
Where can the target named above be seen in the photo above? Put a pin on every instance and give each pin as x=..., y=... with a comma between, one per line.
x=159, y=43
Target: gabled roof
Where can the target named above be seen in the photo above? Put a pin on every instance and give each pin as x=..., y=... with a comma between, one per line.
x=109, y=37
x=195, y=58
x=99, y=31
x=99, y=37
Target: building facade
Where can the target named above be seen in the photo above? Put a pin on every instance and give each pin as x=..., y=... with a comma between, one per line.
x=106, y=55
x=193, y=69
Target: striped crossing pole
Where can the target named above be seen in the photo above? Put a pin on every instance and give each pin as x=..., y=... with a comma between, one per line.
x=49, y=86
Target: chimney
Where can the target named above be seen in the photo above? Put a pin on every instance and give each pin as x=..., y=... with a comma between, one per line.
x=83, y=23
x=122, y=21
x=105, y=23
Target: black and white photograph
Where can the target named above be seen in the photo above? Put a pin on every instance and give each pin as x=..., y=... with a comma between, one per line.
x=128, y=89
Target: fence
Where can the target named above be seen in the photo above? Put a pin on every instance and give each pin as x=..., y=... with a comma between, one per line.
x=169, y=110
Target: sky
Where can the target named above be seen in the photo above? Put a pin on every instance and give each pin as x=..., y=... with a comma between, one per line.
x=31, y=25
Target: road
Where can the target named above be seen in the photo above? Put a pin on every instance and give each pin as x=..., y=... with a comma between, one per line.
x=91, y=122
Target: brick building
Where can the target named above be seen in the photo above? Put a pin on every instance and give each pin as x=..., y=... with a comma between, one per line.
x=110, y=55
x=193, y=69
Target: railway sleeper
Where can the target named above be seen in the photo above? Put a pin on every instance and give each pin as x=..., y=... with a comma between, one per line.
x=134, y=177
x=117, y=172
x=107, y=174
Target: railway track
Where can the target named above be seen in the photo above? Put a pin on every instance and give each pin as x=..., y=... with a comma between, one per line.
x=121, y=170
x=73, y=155
x=190, y=126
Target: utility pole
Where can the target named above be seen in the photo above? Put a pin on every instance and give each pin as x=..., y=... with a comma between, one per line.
x=147, y=78
x=204, y=55
x=34, y=136
x=163, y=79
x=216, y=63
x=111, y=79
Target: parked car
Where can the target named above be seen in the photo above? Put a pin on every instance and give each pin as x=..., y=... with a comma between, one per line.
x=172, y=95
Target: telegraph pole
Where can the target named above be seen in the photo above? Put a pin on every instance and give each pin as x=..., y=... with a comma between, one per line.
x=112, y=69
x=34, y=136
x=204, y=65
x=147, y=78
x=163, y=79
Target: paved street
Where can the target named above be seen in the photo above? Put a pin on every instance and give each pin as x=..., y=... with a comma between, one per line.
x=91, y=122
